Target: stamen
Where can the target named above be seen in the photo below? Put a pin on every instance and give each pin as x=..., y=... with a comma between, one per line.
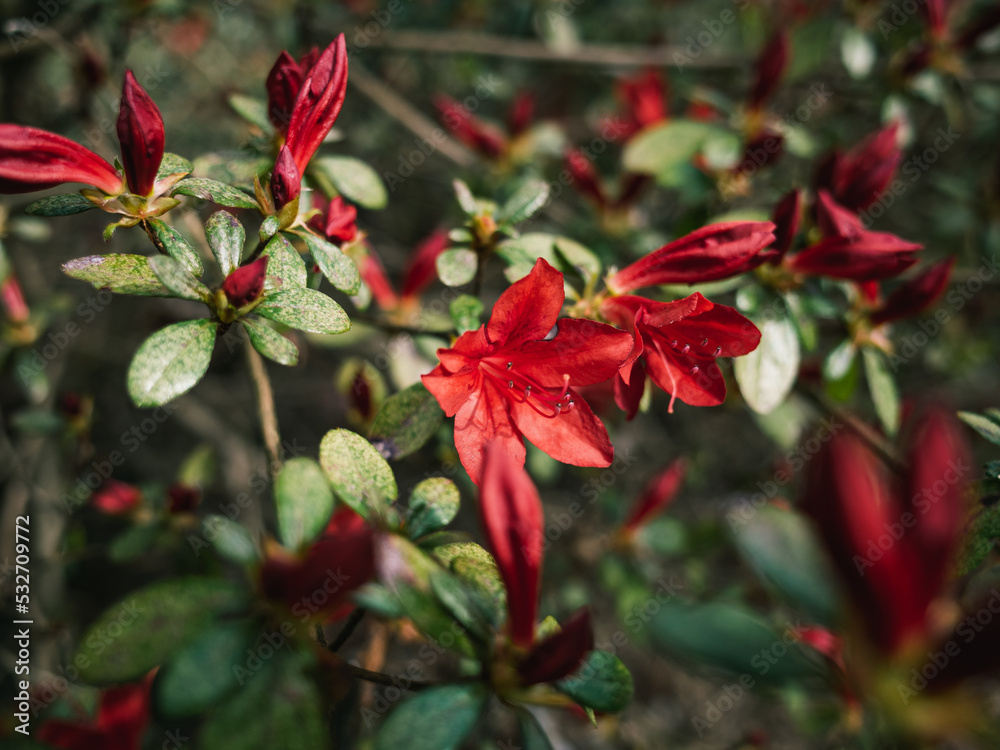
x=704, y=342
x=718, y=351
x=546, y=401
x=694, y=370
x=686, y=349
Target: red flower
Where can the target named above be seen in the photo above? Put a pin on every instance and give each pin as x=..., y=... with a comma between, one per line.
x=33, y=159
x=512, y=516
x=859, y=177
x=183, y=498
x=283, y=85
x=420, y=272
x=122, y=718
x=317, y=582
x=659, y=492
x=770, y=67
x=286, y=180
x=855, y=505
x=713, y=252
x=116, y=498
x=140, y=133
x=470, y=130
x=645, y=98
x=679, y=342
x=246, y=283
x=521, y=113
x=786, y=217
x=585, y=177
x=338, y=223
x=318, y=103
x=916, y=295
x=510, y=379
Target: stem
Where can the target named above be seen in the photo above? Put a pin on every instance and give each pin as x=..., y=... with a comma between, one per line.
x=265, y=401
x=381, y=678
x=348, y=630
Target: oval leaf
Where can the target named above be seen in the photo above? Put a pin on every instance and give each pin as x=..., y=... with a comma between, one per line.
x=60, y=205
x=170, y=362
x=169, y=241
x=178, y=279
x=122, y=274
x=883, y=388
x=306, y=310
x=354, y=180
x=465, y=311
x=285, y=269
x=457, y=266
x=525, y=202
x=218, y=193
x=433, y=504
x=334, y=264
x=358, y=473
x=766, y=375
x=304, y=501
x=270, y=343
x=226, y=237
x=434, y=719
x=602, y=683
x=405, y=422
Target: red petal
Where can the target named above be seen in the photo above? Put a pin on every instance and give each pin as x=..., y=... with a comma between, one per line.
x=451, y=390
x=513, y=520
x=584, y=176
x=868, y=257
x=916, y=295
x=485, y=417
x=659, y=493
x=628, y=393
x=116, y=498
x=422, y=270
x=645, y=95
x=560, y=654
x=286, y=182
x=587, y=351
x=786, y=217
x=522, y=112
x=318, y=103
x=284, y=82
x=834, y=220
x=864, y=172
x=472, y=131
x=140, y=133
x=713, y=252
x=529, y=308
x=770, y=67
x=246, y=283
x=33, y=159
x=576, y=436
x=340, y=223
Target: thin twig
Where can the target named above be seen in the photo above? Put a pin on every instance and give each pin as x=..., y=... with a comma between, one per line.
x=265, y=400
x=348, y=630
x=880, y=447
x=380, y=678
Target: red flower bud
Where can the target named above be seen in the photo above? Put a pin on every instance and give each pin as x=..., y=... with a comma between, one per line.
x=318, y=103
x=585, y=177
x=284, y=82
x=33, y=159
x=116, y=498
x=286, y=180
x=559, y=655
x=473, y=132
x=786, y=218
x=140, y=132
x=936, y=12
x=864, y=172
x=422, y=270
x=658, y=494
x=645, y=96
x=245, y=284
x=522, y=112
x=867, y=256
x=916, y=295
x=770, y=67
x=339, y=222
x=183, y=498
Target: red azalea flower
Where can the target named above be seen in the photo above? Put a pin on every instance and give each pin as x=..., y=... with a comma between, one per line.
x=122, y=719
x=140, y=133
x=708, y=254
x=510, y=379
x=915, y=295
x=317, y=582
x=470, y=130
x=286, y=180
x=770, y=67
x=786, y=217
x=512, y=516
x=336, y=220
x=645, y=99
x=659, y=493
x=521, y=113
x=854, y=504
x=679, y=342
x=585, y=177
x=284, y=82
x=246, y=283
x=318, y=103
x=857, y=178
x=116, y=498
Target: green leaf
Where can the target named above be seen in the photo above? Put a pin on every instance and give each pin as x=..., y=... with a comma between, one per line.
x=147, y=628
x=286, y=269
x=465, y=197
x=252, y=110
x=306, y=310
x=178, y=279
x=767, y=374
x=270, y=343
x=174, y=245
x=354, y=180
x=276, y=708
x=173, y=164
x=201, y=674
x=434, y=503
x=218, y=193
x=60, y=205
x=358, y=473
x=730, y=637
x=122, y=274
x=527, y=200
x=602, y=683
x=477, y=568
x=882, y=386
x=226, y=237
x=986, y=426
x=170, y=362
x=457, y=266
x=533, y=737
x=230, y=539
x=659, y=150
x=268, y=228
x=465, y=311
x=334, y=264
x=781, y=546
x=304, y=501
x=564, y=254
x=435, y=719
x=405, y=422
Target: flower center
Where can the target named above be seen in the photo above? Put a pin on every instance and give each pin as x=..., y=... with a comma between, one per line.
x=547, y=401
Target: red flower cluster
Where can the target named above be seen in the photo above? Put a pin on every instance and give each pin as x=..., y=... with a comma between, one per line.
x=483, y=137
x=512, y=378
x=122, y=718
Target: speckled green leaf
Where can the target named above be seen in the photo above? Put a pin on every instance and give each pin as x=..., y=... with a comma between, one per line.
x=286, y=269
x=602, y=683
x=334, y=264
x=434, y=719
x=304, y=501
x=528, y=199
x=226, y=237
x=170, y=362
x=230, y=539
x=533, y=737
x=178, y=279
x=465, y=311
x=218, y=193
x=170, y=240
x=354, y=180
x=173, y=164
x=270, y=343
x=123, y=274
x=358, y=473
x=268, y=227
x=457, y=266
x=60, y=205
x=148, y=627
x=987, y=425
x=405, y=422
x=434, y=503
x=306, y=310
